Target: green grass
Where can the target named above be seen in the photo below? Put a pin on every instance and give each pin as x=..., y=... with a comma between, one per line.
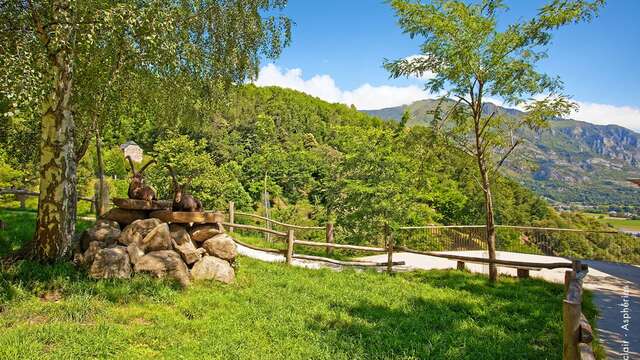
x=20, y=227
x=615, y=222
x=273, y=311
x=622, y=224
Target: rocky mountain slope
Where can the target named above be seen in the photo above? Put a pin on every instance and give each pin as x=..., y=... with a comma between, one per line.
x=571, y=162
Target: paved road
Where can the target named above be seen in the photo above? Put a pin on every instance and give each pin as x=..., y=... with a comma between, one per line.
x=617, y=296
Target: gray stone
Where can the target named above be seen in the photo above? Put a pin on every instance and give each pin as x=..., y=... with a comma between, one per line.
x=91, y=252
x=137, y=230
x=158, y=239
x=222, y=246
x=201, y=233
x=164, y=263
x=111, y=263
x=179, y=234
x=212, y=268
x=134, y=253
x=188, y=252
x=104, y=230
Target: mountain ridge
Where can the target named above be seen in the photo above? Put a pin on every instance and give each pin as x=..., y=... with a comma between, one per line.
x=573, y=161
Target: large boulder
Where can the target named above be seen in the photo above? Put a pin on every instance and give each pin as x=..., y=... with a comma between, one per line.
x=124, y=217
x=137, y=230
x=158, y=239
x=135, y=253
x=105, y=231
x=183, y=245
x=212, y=268
x=179, y=234
x=111, y=263
x=188, y=251
x=201, y=233
x=222, y=246
x=90, y=254
x=164, y=263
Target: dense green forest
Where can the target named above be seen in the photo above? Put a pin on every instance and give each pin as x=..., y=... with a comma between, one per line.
x=318, y=161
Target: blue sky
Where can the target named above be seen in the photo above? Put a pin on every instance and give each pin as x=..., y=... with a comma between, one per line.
x=339, y=46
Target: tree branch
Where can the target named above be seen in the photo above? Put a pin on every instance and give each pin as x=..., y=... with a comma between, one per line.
x=464, y=100
x=504, y=158
x=486, y=123
x=82, y=149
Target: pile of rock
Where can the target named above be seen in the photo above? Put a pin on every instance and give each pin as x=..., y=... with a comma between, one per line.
x=181, y=252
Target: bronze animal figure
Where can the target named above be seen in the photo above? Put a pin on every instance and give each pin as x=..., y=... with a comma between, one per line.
x=137, y=188
x=181, y=200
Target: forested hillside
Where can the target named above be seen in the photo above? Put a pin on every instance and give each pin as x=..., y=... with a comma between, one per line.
x=571, y=161
x=317, y=160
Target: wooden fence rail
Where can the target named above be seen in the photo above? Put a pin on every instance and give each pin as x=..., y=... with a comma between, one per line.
x=22, y=195
x=389, y=248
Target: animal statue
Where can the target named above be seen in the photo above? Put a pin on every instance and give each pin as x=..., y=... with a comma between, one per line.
x=181, y=200
x=137, y=188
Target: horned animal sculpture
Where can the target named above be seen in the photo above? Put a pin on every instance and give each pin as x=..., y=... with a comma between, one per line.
x=181, y=200
x=137, y=188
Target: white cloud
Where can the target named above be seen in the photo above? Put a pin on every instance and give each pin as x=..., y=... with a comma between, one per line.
x=370, y=97
x=428, y=75
x=603, y=114
x=365, y=97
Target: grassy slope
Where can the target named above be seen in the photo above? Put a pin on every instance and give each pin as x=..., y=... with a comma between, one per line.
x=278, y=312
x=618, y=223
x=625, y=224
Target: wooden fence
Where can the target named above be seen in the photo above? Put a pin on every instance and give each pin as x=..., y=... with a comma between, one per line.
x=577, y=333
x=292, y=241
x=22, y=195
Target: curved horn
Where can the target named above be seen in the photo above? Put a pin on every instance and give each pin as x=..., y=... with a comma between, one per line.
x=188, y=182
x=133, y=168
x=172, y=173
x=153, y=161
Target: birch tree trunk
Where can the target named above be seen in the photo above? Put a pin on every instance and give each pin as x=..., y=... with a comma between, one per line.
x=102, y=194
x=57, y=201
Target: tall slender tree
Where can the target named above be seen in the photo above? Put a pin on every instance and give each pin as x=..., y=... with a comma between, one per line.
x=474, y=57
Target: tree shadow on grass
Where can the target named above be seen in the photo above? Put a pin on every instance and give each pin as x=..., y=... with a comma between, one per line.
x=468, y=318
x=25, y=278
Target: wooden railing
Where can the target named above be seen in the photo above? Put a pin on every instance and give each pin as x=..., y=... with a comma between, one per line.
x=389, y=248
x=292, y=241
x=22, y=195
x=577, y=333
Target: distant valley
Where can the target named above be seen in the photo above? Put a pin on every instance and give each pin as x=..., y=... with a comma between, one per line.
x=572, y=162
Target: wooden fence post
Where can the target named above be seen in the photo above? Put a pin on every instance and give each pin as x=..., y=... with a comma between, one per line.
x=329, y=237
x=232, y=214
x=22, y=198
x=388, y=238
x=290, y=239
x=571, y=312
